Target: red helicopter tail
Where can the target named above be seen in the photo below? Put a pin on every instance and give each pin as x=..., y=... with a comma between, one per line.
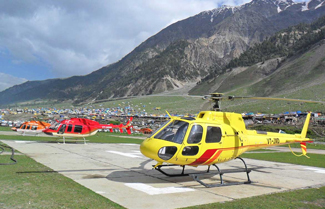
x=127, y=126
x=128, y=129
x=129, y=122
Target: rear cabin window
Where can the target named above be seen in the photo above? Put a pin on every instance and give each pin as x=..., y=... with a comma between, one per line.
x=28, y=127
x=78, y=129
x=69, y=128
x=34, y=128
x=213, y=134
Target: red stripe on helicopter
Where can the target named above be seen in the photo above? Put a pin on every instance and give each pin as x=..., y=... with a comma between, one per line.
x=206, y=156
x=213, y=158
x=303, y=146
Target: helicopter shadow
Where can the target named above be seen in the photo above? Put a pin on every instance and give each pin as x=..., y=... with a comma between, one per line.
x=146, y=174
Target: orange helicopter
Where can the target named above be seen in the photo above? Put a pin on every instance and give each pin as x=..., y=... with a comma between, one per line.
x=213, y=137
x=32, y=127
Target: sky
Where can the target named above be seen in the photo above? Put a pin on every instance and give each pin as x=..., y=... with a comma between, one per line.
x=42, y=39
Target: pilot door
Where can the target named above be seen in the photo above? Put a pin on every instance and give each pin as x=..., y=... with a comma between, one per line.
x=201, y=145
x=62, y=129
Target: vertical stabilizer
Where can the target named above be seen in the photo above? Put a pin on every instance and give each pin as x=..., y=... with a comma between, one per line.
x=305, y=128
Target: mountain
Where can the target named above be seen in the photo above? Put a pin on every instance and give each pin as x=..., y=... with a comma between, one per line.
x=184, y=52
x=290, y=63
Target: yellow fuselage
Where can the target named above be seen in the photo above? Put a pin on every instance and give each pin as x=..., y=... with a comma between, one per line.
x=223, y=137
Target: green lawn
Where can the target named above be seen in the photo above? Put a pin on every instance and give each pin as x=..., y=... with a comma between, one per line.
x=309, y=146
x=98, y=138
x=262, y=150
x=287, y=157
x=29, y=184
x=304, y=198
x=5, y=128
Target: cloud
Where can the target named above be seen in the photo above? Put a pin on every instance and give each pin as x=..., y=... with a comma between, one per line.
x=77, y=37
x=7, y=81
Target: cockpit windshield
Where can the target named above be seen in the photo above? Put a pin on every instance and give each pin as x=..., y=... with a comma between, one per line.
x=158, y=129
x=174, y=132
x=55, y=126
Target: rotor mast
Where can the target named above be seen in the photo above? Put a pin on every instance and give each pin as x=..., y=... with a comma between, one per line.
x=216, y=98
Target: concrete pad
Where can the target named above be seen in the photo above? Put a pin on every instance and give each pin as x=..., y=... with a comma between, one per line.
x=120, y=173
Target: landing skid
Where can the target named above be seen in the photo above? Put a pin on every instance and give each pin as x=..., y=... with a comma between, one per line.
x=196, y=176
x=74, y=140
x=158, y=168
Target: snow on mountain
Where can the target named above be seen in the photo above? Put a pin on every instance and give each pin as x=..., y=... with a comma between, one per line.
x=304, y=7
x=282, y=5
x=222, y=9
x=319, y=5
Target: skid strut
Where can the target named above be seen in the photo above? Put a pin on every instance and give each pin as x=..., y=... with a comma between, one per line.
x=246, y=170
x=196, y=176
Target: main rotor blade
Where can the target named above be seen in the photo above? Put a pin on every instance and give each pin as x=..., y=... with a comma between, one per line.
x=279, y=99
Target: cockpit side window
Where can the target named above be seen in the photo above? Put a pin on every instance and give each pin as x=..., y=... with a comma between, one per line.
x=213, y=135
x=195, y=134
x=174, y=132
x=23, y=126
x=69, y=128
x=62, y=129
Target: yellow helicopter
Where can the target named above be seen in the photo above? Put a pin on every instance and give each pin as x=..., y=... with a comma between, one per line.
x=213, y=137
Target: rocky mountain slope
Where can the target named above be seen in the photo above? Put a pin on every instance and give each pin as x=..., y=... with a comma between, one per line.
x=290, y=60
x=183, y=52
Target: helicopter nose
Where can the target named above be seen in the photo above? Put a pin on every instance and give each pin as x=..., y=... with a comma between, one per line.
x=156, y=150
x=48, y=133
x=147, y=149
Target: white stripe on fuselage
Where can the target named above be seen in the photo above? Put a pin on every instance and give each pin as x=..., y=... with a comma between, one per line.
x=68, y=135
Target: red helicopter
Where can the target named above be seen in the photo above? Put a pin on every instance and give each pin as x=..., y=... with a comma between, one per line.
x=80, y=127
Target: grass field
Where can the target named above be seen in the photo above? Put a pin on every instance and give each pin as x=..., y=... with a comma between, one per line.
x=287, y=157
x=29, y=184
x=5, y=128
x=304, y=198
x=309, y=146
x=101, y=137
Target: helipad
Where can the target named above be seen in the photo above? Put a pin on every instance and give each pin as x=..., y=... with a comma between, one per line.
x=120, y=173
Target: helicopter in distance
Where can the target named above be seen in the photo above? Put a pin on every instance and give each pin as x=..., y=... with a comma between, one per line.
x=81, y=127
x=31, y=127
x=211, y=138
